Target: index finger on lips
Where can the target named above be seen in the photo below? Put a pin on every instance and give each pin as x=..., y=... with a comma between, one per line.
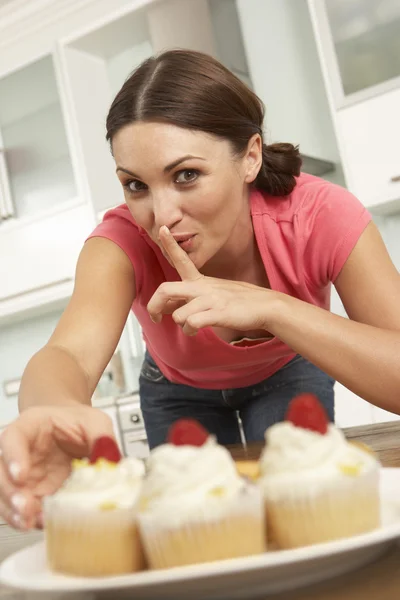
x=178, y=256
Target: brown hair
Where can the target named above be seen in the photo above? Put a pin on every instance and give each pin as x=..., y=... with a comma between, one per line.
x=193, y=90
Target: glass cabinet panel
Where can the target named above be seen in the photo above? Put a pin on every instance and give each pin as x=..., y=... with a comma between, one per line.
x=34, y=140
x=366, y=37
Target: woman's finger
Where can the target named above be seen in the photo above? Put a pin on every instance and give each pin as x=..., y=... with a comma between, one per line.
x=14, y=446
x=7, y=487
x=10, y=517
x=178, y=257
x=197, y=305
x=172, y=305
x=171, y=291
x=207, y=318
x=17, y=501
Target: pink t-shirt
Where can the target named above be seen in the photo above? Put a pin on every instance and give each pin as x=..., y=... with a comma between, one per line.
x=304, y=240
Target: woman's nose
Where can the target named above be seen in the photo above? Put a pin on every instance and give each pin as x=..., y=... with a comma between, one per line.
x=167, y=211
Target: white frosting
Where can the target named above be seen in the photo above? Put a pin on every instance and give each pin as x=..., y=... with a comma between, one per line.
x=185, y=482
x=299, y=461
x=93, y=486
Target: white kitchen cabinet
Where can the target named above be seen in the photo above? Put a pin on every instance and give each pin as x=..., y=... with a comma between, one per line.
x=286, y=74
x=366, y=36
x=370, y=133
x=94, y=66
x=96, y=61
x=46, y=222
x=359, y=51
x=360, y=46
x=34, y=141
x=42, y=253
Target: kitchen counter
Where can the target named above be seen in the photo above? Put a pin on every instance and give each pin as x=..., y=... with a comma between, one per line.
x=378, y=580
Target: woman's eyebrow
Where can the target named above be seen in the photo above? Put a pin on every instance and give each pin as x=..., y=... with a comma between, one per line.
x=167, y=169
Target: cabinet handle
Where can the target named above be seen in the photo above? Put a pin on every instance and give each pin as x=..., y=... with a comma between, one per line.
x=395, y=179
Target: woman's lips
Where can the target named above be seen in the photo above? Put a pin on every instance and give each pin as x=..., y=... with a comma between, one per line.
x=185, y=240
x=187, y=243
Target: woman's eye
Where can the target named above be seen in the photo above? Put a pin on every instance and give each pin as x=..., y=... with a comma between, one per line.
x=135, y=186
x=187, y=176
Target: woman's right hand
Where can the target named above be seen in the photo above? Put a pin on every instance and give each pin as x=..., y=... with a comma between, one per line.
x=35, y=456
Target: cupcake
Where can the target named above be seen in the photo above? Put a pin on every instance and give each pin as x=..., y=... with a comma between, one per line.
x=317, y=486
x=90, y=523
x=195, y=507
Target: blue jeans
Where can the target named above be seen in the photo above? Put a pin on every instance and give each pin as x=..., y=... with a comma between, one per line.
x=258, y=406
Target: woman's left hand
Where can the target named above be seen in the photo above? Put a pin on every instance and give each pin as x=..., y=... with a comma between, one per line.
x=199, y=301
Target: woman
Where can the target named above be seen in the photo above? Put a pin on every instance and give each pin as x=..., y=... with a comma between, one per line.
x=226, y=254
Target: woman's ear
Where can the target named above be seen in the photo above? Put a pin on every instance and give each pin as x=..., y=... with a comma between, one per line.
x=253, y=158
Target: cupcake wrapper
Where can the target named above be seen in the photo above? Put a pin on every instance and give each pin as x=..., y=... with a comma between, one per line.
x=239, y=531
x=341, y=510
x=92, y=543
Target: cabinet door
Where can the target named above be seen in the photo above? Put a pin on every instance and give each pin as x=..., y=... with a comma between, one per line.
x=360, y=46
x=42, y=252
x=370, y=134
x=33, y=140
x=366, y=36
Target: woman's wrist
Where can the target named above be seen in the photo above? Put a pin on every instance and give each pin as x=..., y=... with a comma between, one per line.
x=277, y=310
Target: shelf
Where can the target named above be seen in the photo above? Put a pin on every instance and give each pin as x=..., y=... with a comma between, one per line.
x=317, y=166
x=392, y=207
x=35, y=303
x=120, y=45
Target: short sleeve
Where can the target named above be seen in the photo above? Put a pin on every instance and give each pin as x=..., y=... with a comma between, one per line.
x=118, y=226
x=333, y=221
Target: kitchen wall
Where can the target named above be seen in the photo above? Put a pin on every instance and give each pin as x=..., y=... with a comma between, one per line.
x=18, y=343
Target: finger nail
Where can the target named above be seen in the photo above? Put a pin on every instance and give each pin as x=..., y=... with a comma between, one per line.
x=18, y=521
x=15, y=470
x=19, y=502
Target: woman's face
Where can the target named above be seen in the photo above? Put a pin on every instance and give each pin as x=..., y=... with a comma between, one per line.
x=189, y=181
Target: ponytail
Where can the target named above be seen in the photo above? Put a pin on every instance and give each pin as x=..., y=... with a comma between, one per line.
x=281, y=163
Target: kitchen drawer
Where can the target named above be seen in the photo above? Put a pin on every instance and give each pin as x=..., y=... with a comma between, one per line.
x=131, y=417
x=136, y=445
x=369, y=133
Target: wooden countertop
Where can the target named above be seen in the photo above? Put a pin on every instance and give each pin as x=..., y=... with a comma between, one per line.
x=383, y=438
x=380, y=579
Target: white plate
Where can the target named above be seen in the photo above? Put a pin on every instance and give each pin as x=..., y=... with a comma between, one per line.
x=237, y=578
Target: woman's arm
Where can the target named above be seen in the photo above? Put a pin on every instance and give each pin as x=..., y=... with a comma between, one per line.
x=67, y=370
x=362, y=352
